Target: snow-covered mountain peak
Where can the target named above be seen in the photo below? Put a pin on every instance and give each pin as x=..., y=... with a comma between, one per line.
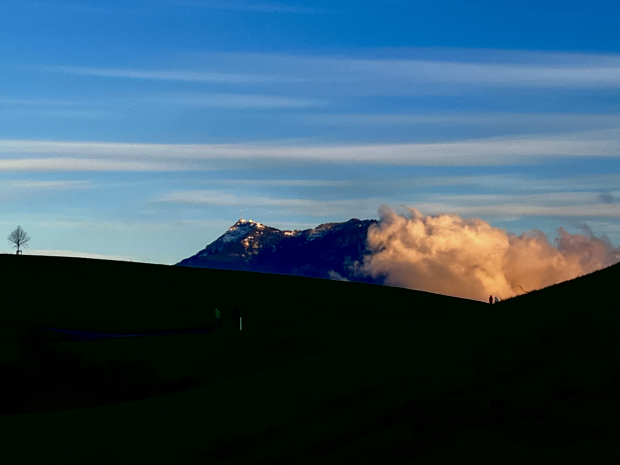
x=238, y=230
x=328, y=250
x=247, y=233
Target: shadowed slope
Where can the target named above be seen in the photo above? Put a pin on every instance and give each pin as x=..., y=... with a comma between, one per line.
x=101, y=295
x=595, y=289
x=437, y=380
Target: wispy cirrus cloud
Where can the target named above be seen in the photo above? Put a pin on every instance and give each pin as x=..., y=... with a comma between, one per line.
x=494, y=182
x=61, y=221
x=563, y=197
x=238, y=101
x=428, y=71
x=34, y=113
x=516, y=211
x=80, y=164
x=519, y=183
x=559, y=204
x=564, y=203
x=606, y=73
x=487, y=119
x=412, y=73
x=13, y=188
x=99, y=156
x=45, y=185
x=288, y=182
x=218, y=198
x=166, y=75
x=11, y=108
x=39, y=102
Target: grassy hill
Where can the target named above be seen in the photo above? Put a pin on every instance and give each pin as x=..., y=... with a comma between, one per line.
x=323, y=371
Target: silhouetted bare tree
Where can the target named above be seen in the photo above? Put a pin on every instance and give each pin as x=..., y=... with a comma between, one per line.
x=18, y=238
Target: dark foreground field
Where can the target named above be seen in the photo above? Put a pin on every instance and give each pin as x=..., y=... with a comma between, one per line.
x=323, y=371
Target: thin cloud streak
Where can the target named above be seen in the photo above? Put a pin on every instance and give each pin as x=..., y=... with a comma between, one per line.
x=215, y=198
x=554, y=198
x=165, y=75
x=559, y=204
x=9, y=101
x=11, y=190
x=491, y=74
x=51, y=113
x=465, y=119
x=72, y=164
x=68, y=222
x=516, y=211
x=411, y=76
x=287, y=182
x=239, y=101
x=46, y=185
x=12, y=108
x=477, y=152
x=516, y=183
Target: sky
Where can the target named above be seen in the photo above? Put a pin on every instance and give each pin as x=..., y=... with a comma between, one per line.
x=141, y=130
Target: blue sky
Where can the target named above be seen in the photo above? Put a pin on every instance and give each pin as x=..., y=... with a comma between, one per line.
x=139, y=130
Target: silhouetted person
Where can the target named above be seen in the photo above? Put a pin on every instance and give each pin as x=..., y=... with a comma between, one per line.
x=496, y=299
x=217, y=316
x=490, y=299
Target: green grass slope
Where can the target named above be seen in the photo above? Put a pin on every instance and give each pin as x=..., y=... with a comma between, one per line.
x=323, y=371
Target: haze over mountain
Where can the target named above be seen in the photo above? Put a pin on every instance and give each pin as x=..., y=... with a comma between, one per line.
x=444, y=254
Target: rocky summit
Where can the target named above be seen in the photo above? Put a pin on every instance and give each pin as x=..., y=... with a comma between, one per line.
x=331, y=250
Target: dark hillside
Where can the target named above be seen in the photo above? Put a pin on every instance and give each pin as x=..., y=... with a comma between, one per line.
x=324, y=372
x=102, y=295
x=597, y=289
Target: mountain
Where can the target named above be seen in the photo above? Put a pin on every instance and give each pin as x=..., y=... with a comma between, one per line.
x=331, y=250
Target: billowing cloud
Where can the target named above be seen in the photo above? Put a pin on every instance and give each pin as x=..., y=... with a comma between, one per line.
x=467, y=257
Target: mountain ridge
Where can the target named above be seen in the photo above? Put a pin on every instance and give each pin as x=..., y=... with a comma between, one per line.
x=330, y=250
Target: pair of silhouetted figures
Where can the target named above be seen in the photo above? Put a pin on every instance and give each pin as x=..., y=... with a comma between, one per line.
x=491, y=299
